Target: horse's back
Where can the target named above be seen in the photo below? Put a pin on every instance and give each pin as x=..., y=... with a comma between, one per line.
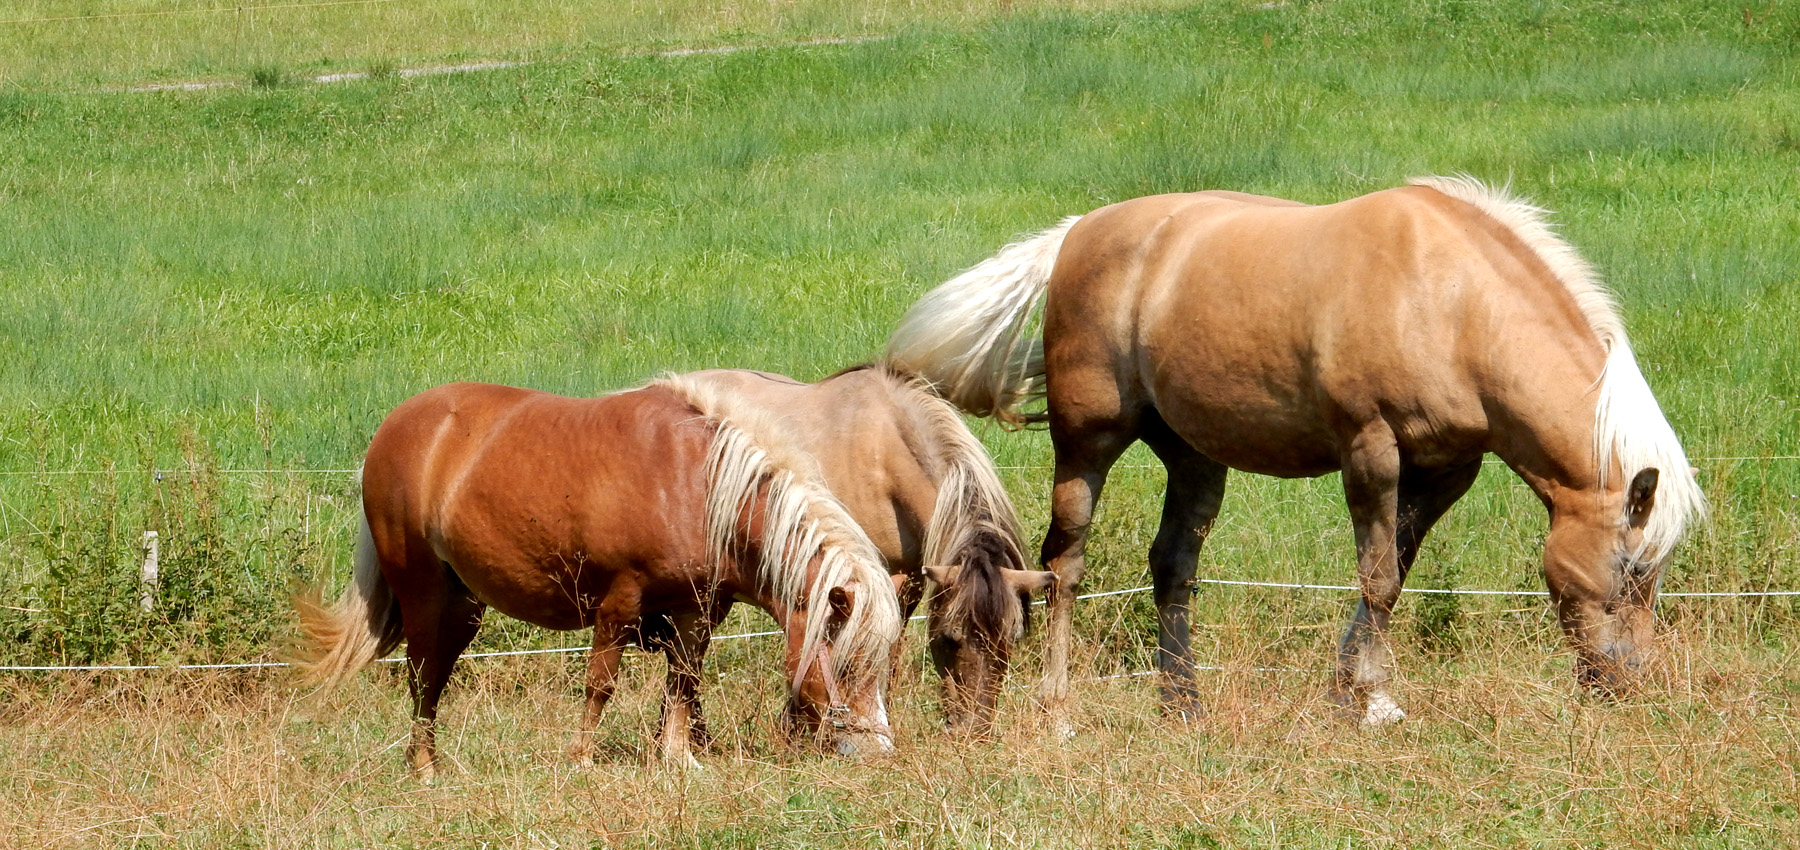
x=1267, y=333
x=538, y=501
x=869, y=446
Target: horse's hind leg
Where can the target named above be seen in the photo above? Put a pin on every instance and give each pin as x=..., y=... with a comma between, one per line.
x=1084, y=454
x=440, y=618
x=1196, y=485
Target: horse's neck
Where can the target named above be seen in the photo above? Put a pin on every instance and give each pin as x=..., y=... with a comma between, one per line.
x=1542, y=423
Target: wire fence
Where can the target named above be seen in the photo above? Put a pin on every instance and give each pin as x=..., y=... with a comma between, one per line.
x=746, y=635
x=347, y=471
x=160, y=473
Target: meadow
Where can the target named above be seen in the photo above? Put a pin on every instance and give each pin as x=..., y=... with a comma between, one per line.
x=209, y=299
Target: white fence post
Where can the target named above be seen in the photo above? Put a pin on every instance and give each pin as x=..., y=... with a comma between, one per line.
x=147, y=590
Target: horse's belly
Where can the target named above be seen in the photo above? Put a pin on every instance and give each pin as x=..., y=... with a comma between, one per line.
x=1264, y=441
x=549, y=595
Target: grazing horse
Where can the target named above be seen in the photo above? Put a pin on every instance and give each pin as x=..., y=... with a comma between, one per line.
x=924, y=490
x=1397, y=337
x=648, y=506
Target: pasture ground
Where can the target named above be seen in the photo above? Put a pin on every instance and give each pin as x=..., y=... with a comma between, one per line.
x=208, y=300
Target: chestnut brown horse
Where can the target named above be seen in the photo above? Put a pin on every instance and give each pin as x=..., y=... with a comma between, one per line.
x=572, y=513
x=1397, y=337
x=927, y=494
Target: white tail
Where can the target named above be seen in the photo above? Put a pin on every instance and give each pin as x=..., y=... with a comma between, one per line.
x=967, y=337
x=360, y=627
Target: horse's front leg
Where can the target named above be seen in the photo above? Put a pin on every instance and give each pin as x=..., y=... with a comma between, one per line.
x=602, y=672
x=1371, y=490
x=910, y=589
x=683, y=728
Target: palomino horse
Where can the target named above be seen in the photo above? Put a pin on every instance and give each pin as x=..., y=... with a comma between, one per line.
x=924, y=490
x=1397, y=337
x=571, y=513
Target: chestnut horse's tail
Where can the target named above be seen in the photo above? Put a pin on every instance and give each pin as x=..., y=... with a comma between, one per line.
x=968, y=336
x=363, y=625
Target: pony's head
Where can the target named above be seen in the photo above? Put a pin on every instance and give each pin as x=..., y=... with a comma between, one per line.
x=978, y=613
x=1603, y=563
x=838, y=645
x=1610, y=541
x=807, y=563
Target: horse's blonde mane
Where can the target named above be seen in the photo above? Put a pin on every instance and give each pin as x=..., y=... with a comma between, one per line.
x=1630, y=431
x=971, y=488
x=801, y=522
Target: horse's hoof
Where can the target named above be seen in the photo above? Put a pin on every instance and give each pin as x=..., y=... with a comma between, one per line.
x=1183, y=710
x=581, y=756
x=1382, y=711
x=685, y=762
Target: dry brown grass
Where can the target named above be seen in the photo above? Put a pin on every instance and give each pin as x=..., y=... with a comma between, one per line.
x=1499, y=751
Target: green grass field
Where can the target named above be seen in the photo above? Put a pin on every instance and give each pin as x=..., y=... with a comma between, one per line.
x=209, y=299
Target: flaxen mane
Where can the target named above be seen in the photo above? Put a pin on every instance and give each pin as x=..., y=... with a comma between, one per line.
x=1630, y=431
x=802, y=522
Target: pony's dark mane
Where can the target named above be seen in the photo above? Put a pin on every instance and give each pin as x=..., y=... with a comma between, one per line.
x=986, y=608
x=974, y=525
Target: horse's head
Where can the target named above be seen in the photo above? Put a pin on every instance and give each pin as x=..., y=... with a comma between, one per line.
x=837, y=665
x=977, y=615
x=1603, y=572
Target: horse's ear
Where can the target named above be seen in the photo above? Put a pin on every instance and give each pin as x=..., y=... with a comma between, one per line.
x=943, y=576
x=842, y=601
x=1641, y=497
x=1028, y=581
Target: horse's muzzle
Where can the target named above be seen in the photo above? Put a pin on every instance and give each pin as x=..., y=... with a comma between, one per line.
x=1613, y=670
x=865, y=745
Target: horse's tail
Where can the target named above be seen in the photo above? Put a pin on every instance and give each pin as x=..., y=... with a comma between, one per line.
x=968, y=336
x=363, y=625
x=802, y=523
